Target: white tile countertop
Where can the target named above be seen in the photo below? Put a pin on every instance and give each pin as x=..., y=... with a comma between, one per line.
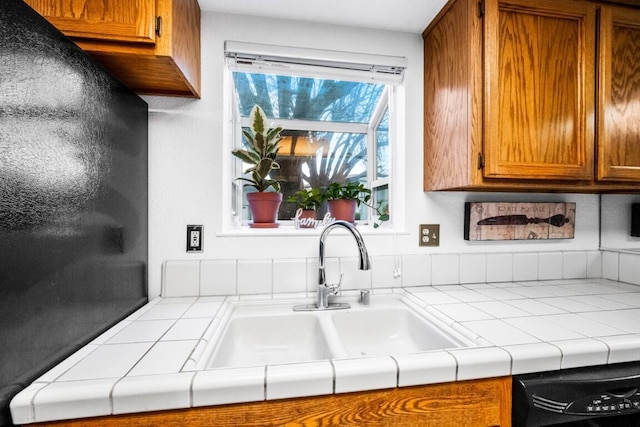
x=148, y=361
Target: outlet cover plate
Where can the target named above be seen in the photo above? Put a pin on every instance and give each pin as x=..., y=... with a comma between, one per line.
x=429, y=235
x=195, y=238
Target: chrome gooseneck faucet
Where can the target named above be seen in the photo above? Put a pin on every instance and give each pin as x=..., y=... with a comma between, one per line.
x=325, y=290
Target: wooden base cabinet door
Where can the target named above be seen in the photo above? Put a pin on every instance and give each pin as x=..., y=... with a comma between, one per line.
x=619, y=95
x=539, y=89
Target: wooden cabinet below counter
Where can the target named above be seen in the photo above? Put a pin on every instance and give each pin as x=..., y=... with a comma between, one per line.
x=475, y=403
x=152, y=46
x=516, y=98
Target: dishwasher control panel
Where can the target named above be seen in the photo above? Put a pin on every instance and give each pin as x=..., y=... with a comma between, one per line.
x=564, y=396
x=605, y=404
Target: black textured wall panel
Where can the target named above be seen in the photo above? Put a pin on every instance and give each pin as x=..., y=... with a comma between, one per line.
x=73, y=199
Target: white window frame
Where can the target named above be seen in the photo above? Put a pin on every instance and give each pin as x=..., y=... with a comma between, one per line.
x=393, y=79
x=372, y=153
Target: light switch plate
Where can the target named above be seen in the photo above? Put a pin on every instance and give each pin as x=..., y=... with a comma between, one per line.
x=195, y=238
x=429, y=235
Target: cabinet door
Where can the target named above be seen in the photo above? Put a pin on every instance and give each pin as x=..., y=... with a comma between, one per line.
x=619, y=95
x=117, y=20
x=539, y=89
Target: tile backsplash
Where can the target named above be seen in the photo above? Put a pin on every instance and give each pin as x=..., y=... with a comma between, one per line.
x=281, y=276
x=621, y=265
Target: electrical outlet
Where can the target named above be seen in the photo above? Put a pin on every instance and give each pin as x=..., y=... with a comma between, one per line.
x=429, y=235
x=194, y=238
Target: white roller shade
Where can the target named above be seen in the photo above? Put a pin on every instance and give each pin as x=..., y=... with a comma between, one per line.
x=270, y=59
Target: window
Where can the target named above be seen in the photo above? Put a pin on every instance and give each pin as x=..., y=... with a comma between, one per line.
x=336, y=118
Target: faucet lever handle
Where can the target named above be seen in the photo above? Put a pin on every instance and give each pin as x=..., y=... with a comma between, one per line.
x=336, y=288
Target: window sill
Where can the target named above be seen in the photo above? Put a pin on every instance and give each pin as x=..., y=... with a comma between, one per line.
x=290, y=231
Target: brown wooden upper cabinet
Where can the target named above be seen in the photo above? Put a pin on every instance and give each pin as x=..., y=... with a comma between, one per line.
x=619, y=95
x=515, y=97
x=152, y=46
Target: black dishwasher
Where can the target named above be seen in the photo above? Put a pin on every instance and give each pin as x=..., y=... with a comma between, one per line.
x=606, y=395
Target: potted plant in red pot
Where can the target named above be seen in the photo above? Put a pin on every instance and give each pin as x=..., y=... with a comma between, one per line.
x=344, y=199
x=307, y=201
x=261, y=152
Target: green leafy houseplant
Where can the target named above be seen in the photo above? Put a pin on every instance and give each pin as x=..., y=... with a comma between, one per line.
x=261, y=153
x=307, y=202
x=350, y=191
x=307, y=199
x=357, y=193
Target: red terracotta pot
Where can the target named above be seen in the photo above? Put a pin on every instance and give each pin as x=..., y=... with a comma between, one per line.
x=264, y=209
x=344, y=209
x=309, y=216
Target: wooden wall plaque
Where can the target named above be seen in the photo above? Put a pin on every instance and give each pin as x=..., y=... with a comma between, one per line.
x=519, y=221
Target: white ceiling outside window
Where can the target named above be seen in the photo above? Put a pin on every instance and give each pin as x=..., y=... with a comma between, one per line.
x=411, y=16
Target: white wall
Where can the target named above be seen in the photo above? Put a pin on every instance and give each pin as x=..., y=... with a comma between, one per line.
x=186, y=160
x=616, y=222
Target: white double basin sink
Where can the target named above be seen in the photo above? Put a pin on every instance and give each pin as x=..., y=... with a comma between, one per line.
x=265, y=333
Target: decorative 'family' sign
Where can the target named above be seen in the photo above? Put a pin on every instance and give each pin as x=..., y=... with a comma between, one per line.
x=311, y=222
x=519, y=221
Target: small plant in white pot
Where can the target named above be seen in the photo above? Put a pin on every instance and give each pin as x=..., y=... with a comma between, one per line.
x=261, y=153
